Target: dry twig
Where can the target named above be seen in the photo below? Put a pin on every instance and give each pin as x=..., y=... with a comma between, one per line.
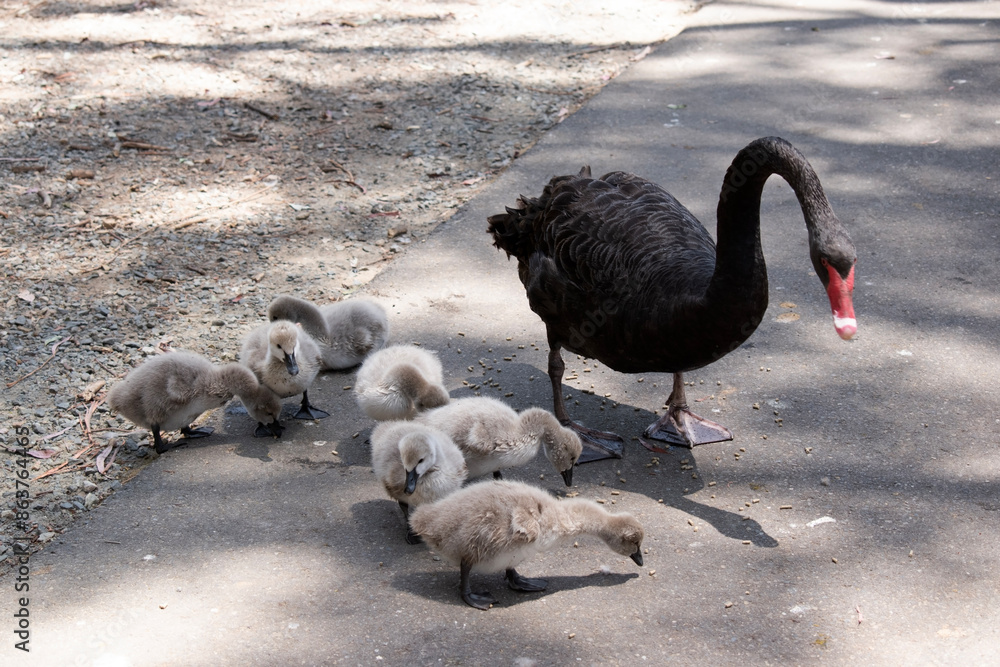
x=143, y=146
x=262, y=112
x=51, y=357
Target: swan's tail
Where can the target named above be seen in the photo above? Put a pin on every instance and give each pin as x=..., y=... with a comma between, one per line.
x=511, y=231
x=517, y=231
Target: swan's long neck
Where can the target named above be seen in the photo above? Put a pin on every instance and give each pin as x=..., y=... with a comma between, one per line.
x=234, y=379
x=739, y=285
x=583, y=517
x=537, y=426
x=311, y=319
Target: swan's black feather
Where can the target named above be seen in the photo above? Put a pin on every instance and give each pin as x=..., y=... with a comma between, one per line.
x=621, y=272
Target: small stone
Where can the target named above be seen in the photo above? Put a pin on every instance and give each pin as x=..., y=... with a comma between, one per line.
x=9, y=514
x=825, y=481
x=90, y=500
x=728, y=605
x=66, y=505
x=45, y=537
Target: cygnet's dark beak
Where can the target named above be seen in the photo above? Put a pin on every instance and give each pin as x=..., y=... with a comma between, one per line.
x=637, y=557
x=290, y=365
x=567, y=476
x=411, y=481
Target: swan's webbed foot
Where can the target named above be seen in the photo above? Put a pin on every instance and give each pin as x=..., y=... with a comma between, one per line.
x=523, y=584
x=597, y=445
x=200, y=432
x=481, y=600
x=158, y=443
x=411, y=537
x=683, y=428
x=273, y=429
x=309, y=411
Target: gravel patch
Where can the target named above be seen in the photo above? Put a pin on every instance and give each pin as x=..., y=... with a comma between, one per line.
x=167, y=168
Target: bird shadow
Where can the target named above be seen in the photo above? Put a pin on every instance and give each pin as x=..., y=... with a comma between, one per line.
x=729, y=524
x=255, y=449
x=726, y=523
x=436, y=586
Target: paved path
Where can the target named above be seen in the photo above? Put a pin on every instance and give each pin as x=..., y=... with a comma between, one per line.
x=238, y=551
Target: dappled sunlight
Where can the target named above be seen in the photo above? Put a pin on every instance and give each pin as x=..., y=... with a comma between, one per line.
x=850, y=518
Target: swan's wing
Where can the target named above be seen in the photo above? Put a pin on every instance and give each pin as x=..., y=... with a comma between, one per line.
x=617, y=249
x=481, y=441
x=623, y=236
x=524, y=525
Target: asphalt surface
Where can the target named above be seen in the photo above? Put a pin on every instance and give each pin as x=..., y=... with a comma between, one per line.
x=862, y=529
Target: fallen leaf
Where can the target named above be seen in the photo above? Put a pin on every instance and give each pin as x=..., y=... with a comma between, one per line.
x=102, y=462
x=25, y=295
x=43, y=453
x=787, y=317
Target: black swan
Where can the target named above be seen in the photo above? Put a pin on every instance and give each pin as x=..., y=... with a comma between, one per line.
x=621, y=272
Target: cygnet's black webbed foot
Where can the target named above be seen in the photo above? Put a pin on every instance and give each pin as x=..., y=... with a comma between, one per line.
x=200, y=432
x=683, y=428
x=481, y=600
x=309, y=411
x=274, y=429
x=411, y=537
x=518, y=583
x=158, y=443
x=597, y=445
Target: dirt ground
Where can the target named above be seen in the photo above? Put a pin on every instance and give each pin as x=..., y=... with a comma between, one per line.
x=168, y=167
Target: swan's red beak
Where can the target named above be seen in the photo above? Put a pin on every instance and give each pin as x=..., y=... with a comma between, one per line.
x=840, y=290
